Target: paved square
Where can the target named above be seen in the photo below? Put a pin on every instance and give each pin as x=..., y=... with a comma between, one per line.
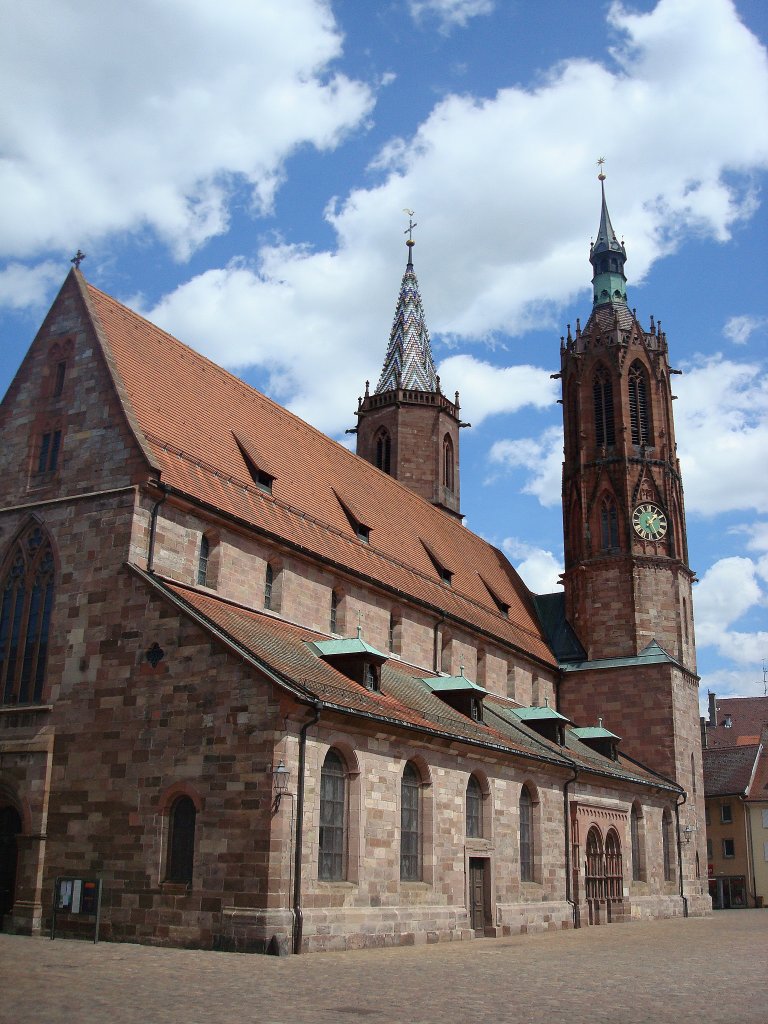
x=701, y=970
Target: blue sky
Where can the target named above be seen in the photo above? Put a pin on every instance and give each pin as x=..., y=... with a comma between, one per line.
x=238, y=173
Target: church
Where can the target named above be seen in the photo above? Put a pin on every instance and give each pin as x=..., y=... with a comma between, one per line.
x=273, y=695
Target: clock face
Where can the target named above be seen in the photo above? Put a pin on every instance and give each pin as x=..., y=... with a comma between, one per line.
x=649, y=522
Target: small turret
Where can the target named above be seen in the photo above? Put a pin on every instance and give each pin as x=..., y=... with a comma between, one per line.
x=607, y=256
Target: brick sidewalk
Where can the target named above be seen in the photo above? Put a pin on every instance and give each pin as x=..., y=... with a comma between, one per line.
x=701, y=970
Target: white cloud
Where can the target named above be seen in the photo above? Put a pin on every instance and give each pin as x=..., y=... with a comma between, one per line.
x=450, y=12
x=538, y=567
x=727, y=592
x=542, y=457
x=22, y=286
x=739, y=329
x=126, y=117
x=722, y=433
x=486, y=389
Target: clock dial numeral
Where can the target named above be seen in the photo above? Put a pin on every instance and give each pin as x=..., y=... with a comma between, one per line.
x=649, y=522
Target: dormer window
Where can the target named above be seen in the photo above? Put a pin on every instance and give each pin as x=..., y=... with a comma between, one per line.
x=361, y=530
x=260, y=476
x=545, y=721
x=442, y=570
x=501, y=605
x=354, y=658
x=459, y=693
x=600, y=739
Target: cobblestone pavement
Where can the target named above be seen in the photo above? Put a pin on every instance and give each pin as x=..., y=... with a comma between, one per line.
x=701, y=970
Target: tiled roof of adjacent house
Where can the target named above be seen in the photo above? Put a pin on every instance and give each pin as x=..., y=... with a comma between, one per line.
x=728, y=771
x=283, y=651
x=748, y=717
x=207, y=432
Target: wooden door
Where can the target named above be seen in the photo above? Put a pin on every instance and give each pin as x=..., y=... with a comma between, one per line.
x=478, y=892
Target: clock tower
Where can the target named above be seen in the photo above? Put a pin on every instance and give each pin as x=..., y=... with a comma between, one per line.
x=627, y=580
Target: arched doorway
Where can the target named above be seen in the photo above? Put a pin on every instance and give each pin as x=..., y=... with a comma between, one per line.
x=10, y=827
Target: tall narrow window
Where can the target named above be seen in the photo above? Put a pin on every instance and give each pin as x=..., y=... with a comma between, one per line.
x=384, y=451
x=666, y=844
x=48, y=454
x=639, y=416
x=410, y=825
x=594, y=874
x=634, y=825
x=333, y=815
x=474, y=808
x=269, y=579
x=25, y=619
x=526, y=836
x=202, y=561
x=58, y=381
x=181, y=841
x=602, y=393
x=334, y=619
x=448, y=463
x=609, y=525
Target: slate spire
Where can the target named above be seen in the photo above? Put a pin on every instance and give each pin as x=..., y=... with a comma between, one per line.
x=408, y=363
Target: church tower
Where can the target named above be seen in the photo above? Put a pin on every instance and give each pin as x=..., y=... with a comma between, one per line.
x=408, y=427
x=627, y=580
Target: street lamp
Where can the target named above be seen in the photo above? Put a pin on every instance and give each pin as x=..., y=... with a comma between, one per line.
x=280, y=778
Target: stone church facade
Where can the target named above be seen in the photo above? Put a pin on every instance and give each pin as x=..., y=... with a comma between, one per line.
x=275, y=695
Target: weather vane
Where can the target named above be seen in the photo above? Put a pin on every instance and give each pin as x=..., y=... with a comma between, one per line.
x=78, y=258
x=601, y=164
x=411, y=225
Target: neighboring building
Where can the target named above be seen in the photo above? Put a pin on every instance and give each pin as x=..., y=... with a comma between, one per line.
x=736, y=795
x=276, y=696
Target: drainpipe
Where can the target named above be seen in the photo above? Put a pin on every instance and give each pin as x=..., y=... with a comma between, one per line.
x=567, y=827
x=683, y=897
x=153, y=528
x=298, y=914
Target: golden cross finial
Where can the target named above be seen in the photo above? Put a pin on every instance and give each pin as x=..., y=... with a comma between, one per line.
x=411, y=225
x=601, y=164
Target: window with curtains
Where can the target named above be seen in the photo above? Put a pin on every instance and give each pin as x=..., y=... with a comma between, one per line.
x=25, y=618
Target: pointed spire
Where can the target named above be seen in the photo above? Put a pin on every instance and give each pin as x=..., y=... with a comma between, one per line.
x=607, y=256
x=408, y=362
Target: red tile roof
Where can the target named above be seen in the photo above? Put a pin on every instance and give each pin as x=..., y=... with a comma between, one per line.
x=281, y=650
x=748, y=717
x=190, y=414
x=728, y=770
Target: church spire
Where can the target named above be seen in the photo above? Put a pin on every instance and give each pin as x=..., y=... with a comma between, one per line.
x=408, y=362
x=607, y=256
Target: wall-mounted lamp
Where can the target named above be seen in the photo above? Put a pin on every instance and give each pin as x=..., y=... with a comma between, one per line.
x=687, y=833
x=280, y=777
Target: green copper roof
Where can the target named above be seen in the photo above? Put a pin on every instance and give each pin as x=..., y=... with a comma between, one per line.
x=651, y=655
x=538, y=714
x=595, y=732
x=607, y=256
x=444, y=684
x=347, y=645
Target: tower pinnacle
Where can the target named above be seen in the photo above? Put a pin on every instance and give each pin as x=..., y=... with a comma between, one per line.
x=408, y=362
x=607, y=256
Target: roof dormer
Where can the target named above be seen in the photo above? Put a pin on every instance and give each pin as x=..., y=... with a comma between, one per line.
x=354, y=658
x=460, y=693
x=545, y=721
x=599, y=739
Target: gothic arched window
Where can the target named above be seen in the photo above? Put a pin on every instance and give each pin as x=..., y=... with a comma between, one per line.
x=609, y=524
x=594, y=876
x=269, y=579
x=614, y=874
x=526, y=836
x=384, y=451
x=634, y=827
x=639, y=413
x=333, y=819
x=181, y=840
x=25, y=618
x=202, y=561
x=474, y=801
x=666, y=845
x=602, y=394
x=448, y=463
x=410, y=824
